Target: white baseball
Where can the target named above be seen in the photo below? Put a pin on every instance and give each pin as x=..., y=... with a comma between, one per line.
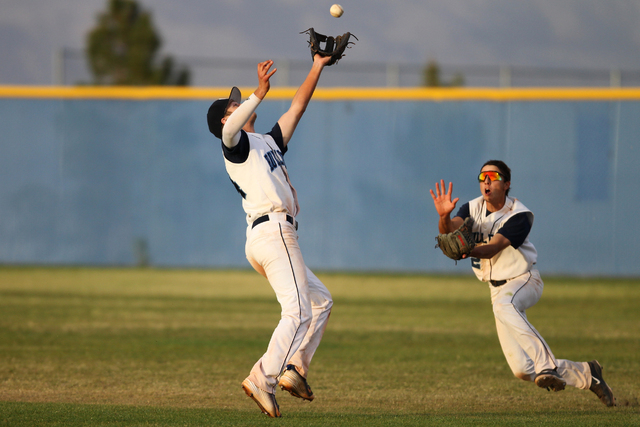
x=336, y=11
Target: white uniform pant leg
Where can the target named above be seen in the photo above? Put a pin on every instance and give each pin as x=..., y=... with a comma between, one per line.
x=521, y=365
x=321, y=304
x=526, y=351
x=272, y=249
x=576, y=374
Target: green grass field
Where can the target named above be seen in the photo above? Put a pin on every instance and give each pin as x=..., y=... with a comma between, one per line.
x=135, y=347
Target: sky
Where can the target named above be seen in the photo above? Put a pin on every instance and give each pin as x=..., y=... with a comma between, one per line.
x=589, y=34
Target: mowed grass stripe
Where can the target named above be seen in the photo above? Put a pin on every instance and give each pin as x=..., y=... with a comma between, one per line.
x=124, y=347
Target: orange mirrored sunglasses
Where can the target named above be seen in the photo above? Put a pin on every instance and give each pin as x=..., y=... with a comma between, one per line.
x=493, y=176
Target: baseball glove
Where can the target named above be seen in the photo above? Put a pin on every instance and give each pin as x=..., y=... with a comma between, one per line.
x=333, y=46
x=459, y=242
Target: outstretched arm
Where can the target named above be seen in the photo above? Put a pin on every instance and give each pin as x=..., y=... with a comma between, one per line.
x=289, y=120
x=444, y=206
x=240, y=115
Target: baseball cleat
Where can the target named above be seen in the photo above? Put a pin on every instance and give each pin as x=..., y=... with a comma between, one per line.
x=551, y=380
x=266, y=401
x=295, y=384
x=598, y=386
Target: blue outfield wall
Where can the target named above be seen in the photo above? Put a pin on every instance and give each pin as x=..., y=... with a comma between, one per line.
x=84, y=180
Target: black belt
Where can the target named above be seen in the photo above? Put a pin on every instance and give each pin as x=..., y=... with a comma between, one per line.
x=497, y=283
x=265, y=218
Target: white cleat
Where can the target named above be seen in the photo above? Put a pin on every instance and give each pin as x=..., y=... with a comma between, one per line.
x=295, y=384
x=266, y=401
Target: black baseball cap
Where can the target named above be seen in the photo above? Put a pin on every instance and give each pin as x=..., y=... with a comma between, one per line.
x=218, y=109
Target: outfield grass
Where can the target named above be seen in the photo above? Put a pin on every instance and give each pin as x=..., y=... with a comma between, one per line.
x=107, y=347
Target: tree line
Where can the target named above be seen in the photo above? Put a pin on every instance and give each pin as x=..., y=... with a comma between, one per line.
x=123, y=49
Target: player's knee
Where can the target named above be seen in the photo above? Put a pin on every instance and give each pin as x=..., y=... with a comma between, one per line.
x=523, y=372
x=321, y=302
x=328, y=305
x=523, y=376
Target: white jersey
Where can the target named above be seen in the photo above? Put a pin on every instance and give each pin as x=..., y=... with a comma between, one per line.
x=509, y=262
x=257, y=169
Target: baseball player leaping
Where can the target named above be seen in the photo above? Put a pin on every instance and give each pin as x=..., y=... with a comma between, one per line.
x=255, y=163
x=504, y=257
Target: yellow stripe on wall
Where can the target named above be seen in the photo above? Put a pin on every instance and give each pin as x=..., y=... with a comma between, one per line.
x=327, y=94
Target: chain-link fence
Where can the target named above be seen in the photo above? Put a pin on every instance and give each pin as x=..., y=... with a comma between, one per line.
x=70, y=68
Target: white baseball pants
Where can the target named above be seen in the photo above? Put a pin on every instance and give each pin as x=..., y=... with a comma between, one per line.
x=272, y=249
x=526, y=351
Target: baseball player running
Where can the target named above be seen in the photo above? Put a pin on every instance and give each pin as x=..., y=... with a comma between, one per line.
x=255, y=163
x=505, y=259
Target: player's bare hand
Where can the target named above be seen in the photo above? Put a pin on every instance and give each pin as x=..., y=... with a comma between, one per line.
x=321, y=60
x=442, y=200
x=264, y=74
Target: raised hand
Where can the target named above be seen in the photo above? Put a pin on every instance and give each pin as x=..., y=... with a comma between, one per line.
x=264, y=74
x=442, y=201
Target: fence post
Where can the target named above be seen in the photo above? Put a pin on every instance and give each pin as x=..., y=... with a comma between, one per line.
x=284, y=65
x=615, y=78
x=58, y=66
x=505, y=76
x=393, y=75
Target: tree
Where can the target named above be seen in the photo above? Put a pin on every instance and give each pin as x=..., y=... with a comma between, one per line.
x=432, y=76
x=123, y=49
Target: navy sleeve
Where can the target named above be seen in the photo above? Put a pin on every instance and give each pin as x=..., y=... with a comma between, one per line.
x=464, y=212
x=239, y=153
x=516, y=229
x=276, y=134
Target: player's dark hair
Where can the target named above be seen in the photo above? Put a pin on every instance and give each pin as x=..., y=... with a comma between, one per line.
x=503, y=168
